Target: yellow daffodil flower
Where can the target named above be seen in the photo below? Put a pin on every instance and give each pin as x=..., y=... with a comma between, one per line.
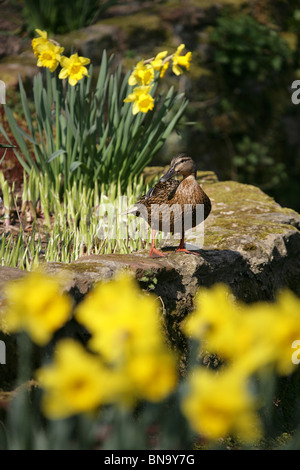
x=49, y=55
x=181, y=61
x=164, y=69
x=158, y=63
x=283, y=329
x=73, y=68
x=143, y=74
x=142, y=100
x=126, y=332
x=219, y=404
x=214, y=320
x=236, y=332
x=251, y=336
x=36, y=42
x=76, y=382
x=118, y=322
x=265, y=333
x=35, y=304
x=153, y=374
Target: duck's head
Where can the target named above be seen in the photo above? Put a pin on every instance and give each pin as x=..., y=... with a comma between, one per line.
x=182, y=164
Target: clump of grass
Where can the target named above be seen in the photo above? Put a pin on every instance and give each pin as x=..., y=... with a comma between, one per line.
x=41, y=224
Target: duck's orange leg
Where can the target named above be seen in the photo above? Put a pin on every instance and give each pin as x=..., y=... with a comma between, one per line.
x=182, y=249
x=154, y=253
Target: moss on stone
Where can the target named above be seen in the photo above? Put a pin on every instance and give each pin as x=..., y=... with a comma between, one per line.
x=242, y=214
x=129, y=22
x=141, y=29
x=171, y=4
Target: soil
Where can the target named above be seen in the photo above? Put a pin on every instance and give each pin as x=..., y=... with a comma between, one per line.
x=13, y=36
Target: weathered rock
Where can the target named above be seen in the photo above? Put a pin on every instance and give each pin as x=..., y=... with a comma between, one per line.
x=9, y=274
x=142, y=31
x=23, y=65
x=91, y=41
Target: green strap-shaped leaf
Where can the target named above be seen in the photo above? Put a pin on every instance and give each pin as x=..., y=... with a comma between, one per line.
x=56, y=154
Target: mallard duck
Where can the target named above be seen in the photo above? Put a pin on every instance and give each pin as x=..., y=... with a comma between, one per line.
x=171, y=205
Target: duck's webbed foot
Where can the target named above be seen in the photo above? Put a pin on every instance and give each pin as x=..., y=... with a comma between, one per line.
x=155, y=253
x=182, y=249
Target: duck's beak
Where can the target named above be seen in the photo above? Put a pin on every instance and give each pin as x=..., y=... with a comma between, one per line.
x=168, y=175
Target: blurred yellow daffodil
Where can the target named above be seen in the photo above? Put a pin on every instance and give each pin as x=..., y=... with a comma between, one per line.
x=76, y=382
x=36, y=42
x=251, y=336
x=37, y=305
x=214, y=321
x=120, y=324
x=281, y=329
x=126, y=332
x=181, y=60
x=153, y=374
x=158, y=63
x=219, y=403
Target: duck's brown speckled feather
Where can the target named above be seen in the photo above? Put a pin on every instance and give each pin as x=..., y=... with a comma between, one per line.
x=161, y=191
x=182, y=197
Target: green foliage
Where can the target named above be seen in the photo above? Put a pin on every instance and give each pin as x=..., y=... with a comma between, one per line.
x=255, y=165
x=149, y=280
x=245, y=118
x=89, y=133
x=61, y=16
x=246, y=47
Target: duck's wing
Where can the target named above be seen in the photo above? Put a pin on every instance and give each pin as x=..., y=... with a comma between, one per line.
x=161, y=191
